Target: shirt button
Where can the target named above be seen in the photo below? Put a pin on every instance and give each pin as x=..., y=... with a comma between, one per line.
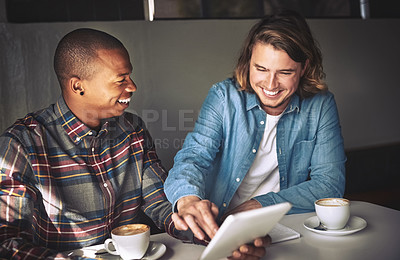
x=283, y=178
x=77, y=139
x=254, y=150
x=262, y=122
x=105, y=184
x=237, y=179
x=93, y=149
x=90, y=133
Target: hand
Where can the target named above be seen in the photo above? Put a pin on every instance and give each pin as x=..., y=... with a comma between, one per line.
x=247, y=205
x=198, y=215
x=249, y=251
x=254, y=251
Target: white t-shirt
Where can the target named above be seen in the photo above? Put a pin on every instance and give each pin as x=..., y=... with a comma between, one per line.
x=263, y=175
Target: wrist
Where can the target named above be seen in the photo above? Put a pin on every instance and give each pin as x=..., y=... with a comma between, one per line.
x=182, y=202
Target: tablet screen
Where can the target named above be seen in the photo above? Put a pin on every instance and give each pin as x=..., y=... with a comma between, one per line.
x=242, y=228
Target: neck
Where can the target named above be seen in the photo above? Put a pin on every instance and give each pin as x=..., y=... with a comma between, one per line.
x=87, y=116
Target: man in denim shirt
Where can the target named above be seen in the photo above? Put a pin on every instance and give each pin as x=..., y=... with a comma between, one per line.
x=268, y=135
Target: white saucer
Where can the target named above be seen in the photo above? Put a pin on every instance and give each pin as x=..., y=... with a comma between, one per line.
x=155, y=251
x=355, y=224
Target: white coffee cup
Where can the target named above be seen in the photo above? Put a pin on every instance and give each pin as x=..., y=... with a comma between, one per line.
x=333, y=213
x=129, y=241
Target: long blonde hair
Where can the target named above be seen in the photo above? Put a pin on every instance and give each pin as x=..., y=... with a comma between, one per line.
x=287, y=31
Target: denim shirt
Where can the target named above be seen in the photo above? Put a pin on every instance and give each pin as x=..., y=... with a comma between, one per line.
x=218, y=153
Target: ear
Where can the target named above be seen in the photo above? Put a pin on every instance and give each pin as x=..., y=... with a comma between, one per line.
x=75, y=85
x=303, y=70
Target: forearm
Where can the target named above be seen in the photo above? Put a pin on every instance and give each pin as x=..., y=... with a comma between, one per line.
x=192, y=165
x=16, y=204
x=17, y=244
x=194, y=161
x=16, y=230
x=324, y=182
x=155, y=204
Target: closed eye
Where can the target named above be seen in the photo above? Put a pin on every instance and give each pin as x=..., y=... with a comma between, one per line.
x=287, y=72
x=260, y=68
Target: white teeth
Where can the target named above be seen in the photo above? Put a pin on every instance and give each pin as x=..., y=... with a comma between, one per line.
x=125, y=101
x=271, y=93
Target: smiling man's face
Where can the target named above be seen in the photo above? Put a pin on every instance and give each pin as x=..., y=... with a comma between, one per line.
x=274, y=77
x=109, y=90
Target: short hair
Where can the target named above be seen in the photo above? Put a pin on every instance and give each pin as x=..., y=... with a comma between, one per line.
x=287, y=31
x=77, y=50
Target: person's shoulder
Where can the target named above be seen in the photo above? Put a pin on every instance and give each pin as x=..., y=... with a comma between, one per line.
x=33, y=122
x=318, y=101
x=228, y=89
x=27, y=123
x=227, y=85
x=326, y=94
x=24, y=128
x=319, y=97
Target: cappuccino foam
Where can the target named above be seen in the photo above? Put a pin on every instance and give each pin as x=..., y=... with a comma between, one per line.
x=333, y=202
x=131, y=229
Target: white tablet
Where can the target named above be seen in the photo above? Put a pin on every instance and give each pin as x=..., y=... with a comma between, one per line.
x=242, y=228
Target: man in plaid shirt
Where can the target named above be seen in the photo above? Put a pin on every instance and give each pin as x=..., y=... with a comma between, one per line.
x=72, y=172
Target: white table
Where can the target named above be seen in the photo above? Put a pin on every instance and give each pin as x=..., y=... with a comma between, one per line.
x=379, y=240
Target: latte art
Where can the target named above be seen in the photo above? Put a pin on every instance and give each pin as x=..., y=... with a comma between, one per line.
x=333, y=202
x=129, y=230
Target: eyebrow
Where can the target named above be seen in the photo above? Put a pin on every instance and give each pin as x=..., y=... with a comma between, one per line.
x=126, y=73
x=123, y=74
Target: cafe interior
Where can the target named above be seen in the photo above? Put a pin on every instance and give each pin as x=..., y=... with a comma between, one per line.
x=180, y=48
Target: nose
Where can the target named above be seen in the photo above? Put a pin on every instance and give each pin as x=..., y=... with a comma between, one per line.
x=131, y=86
x=271, y=81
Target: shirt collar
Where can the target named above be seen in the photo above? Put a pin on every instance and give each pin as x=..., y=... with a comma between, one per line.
x=251, y=100
x=294, y=104
x=75, y=129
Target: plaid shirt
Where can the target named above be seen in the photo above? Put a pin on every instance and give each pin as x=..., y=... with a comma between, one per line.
x=64, y=186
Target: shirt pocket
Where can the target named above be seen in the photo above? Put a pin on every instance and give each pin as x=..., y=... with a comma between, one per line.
x=303, y=151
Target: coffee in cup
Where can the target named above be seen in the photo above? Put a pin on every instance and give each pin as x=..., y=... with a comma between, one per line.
x=333, y=213
x=129, y=241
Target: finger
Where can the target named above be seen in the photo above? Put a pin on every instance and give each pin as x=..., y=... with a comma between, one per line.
x=250, y=250
x=262, y=241
x=197, y=231
x=236, y=255
x=203, y=213
x=180, y=224
x=214, y=210
x=207, y=219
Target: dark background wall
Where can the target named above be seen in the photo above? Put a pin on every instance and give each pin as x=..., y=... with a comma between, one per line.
x=176, y=62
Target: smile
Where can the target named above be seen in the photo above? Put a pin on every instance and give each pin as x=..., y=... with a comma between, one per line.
x=270, y=93
x=124, y=101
